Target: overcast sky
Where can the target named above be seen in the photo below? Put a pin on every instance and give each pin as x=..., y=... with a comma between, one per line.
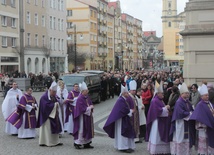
x=149, y=11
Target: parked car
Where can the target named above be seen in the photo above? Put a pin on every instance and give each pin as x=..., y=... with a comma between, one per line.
x=92, y=81
x=93, y=72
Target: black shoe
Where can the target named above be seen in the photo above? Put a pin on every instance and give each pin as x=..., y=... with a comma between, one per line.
x=127, y=151
x=88, y=146
x=59, y=144
x=42, y=145
x=139, y=141
x=77, y=146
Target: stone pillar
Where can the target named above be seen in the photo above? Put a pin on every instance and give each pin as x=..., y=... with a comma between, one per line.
x=198, y=38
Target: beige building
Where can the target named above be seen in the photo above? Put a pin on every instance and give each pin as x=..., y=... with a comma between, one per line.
x=172, y=24
x=198, y=39
x=9, y=36
x=45, y=47
x=33, y=36
x=112, y=41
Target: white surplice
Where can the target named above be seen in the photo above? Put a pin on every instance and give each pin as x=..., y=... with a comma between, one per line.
x=121, y=142
x=9, y=105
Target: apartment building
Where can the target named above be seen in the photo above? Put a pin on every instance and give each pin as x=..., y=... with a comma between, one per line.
x=107, y=35
x=138, y=41
x=82, y=29
x=57, y=35
x=45, y=47
x=9, y=36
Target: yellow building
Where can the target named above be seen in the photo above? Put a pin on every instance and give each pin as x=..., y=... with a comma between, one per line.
x=110, y=39
x=172, y=24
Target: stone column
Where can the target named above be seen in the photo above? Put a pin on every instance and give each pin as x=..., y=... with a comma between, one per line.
x=198, y=38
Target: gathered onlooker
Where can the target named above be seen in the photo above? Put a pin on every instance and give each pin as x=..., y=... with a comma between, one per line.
x=146, y=97
x=211, y=92
x=195, y=96
x=173, y=98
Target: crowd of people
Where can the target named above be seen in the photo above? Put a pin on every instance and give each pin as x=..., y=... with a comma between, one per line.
x=156, y=107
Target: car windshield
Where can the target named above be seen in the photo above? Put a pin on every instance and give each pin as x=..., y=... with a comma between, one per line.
x=71, y=80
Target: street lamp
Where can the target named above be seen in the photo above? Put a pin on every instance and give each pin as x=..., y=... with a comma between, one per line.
x=75, y=45
x=122, y=52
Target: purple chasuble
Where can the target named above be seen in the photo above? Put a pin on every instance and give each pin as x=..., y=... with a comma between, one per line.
x=45, y=108
x=70, y=108
x=120, y=110
x=203, y=114
x=182, y=109
x=88, y=125
x=16, y=118
x=155, y=111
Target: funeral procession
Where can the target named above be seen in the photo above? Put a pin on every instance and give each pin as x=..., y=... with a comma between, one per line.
x=107, y=77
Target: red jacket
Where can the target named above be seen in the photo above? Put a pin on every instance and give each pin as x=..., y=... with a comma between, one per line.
x=146, y=96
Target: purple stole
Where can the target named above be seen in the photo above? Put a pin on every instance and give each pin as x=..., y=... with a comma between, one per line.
x=88, y=125
x=155, y=111
x=16, y=118
x=45, y=108
x=69, y=108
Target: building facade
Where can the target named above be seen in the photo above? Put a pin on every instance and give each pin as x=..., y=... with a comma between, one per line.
x=172, y=24
x=198, y=37
x=115, y=38
x=9, y=36
x=33, y=36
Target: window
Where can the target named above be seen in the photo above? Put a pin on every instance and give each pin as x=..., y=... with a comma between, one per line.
x=28, y=39
x=62, y=45
x=69, y=12
x=69, y=25
x=54, y=23
x=43, y=21
x=54, y=4
x=28, y=17
x=13, y=22
x=36, y=39
x=3, y=2
x=62, y=5
x=43, y=3
x=51, y=47
x=51, y=3
x=13, y=3
x=36, y=19
x=36, y=2
x=43, y=40
x=3, y=20
x=59, y=45
x=62, y=28
x=59, y=24
x=54, y=44
x=50, y=22
x=13, y=42
x=59, y=5
x=4, y=42
x=169, y=24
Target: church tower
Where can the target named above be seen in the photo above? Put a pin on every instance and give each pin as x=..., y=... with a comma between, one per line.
x=169, y=14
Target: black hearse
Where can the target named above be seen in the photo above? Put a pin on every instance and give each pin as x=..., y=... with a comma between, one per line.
x=92, y=81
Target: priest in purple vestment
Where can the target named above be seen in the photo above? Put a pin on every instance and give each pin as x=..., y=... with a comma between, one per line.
x=204, y=117
x=119, y=124
x=83, y=119
x=24, y=118
x=70, y=105
x=158, y=123
x=48, y=118
x=180, y=125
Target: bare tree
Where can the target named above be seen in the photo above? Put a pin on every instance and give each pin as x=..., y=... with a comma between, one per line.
x=80, y=57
